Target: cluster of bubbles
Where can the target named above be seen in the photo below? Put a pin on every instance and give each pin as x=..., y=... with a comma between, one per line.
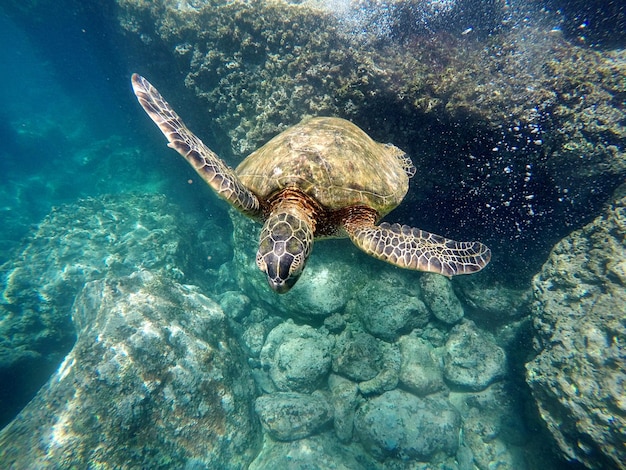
x=384, y=18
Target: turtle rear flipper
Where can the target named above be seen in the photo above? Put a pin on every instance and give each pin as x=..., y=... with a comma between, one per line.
x=206, y=163
x=413, y=248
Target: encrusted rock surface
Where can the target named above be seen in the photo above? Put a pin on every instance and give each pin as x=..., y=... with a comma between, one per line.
x=384, y=317
x=357, y=355
x=297, y=356
x=398, y=424
x=472, y=360
x=344, y=398
x=440, y=298
x=494, y=432
x=579, y=374
x=318, y=452
x=76, y=243
x=153, y=381
x=421, y=370
x=288, y=416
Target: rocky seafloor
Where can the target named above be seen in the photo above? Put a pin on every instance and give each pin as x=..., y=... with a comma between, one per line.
x=361, y=365
x=164, y=373
x=154, y=341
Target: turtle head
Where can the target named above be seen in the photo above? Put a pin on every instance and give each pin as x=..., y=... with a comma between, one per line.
x=285, y=244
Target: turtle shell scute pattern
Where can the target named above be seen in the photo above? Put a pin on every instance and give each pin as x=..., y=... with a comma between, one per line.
x=334, y=162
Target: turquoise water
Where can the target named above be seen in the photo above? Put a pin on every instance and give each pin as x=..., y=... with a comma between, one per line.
x=89, y=193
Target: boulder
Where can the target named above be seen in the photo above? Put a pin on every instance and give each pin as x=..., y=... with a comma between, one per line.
x=440, y=298
x=579, y=374
x=287, y=416
x=421, y=369
x=344, y=398
x=357, y=355
x=298, y=357
x=153, y=378
x=471, y=359
x=400, y=425
x=386, y=309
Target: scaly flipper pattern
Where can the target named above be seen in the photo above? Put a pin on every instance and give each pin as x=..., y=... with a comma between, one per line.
x=417, y=249
x=206, y=163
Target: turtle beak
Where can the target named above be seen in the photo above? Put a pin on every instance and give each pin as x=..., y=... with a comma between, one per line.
x=281, y=286
x=277, y=269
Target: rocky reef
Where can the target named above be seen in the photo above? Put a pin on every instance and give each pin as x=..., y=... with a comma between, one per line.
x=383, y=359
x=517, y=132
x=182, y=379
x=93, y=239
x=153, y=381
x=579, y=375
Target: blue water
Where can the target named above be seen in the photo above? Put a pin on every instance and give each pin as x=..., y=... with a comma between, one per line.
x=68, y=124
x=54, y=107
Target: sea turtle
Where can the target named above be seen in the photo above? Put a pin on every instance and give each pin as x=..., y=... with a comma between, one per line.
x=323, y=177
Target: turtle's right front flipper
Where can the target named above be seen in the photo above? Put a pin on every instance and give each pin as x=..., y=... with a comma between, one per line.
x=206, y=163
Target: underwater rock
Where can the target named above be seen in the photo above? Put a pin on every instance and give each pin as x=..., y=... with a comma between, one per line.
x=235, y=304
x=298, y=357
x=493, y=302
x=471, y=359
x=440, y=298
x=344, y=398
x=318, y=452
x=388, y=376
x=360, y=357
x=357, y=355
x=386, y=311
x=420, y=371
x=152, y=379
x=325, y=286
x=253, y=330
x=253, y=338
x=76, y=243
x=579, y=373
x=287, y=416
x=494, y=432
x=400, y=425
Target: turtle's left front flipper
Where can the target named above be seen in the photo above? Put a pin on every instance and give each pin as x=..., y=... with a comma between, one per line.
x=413, y=248
x=206, y=163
